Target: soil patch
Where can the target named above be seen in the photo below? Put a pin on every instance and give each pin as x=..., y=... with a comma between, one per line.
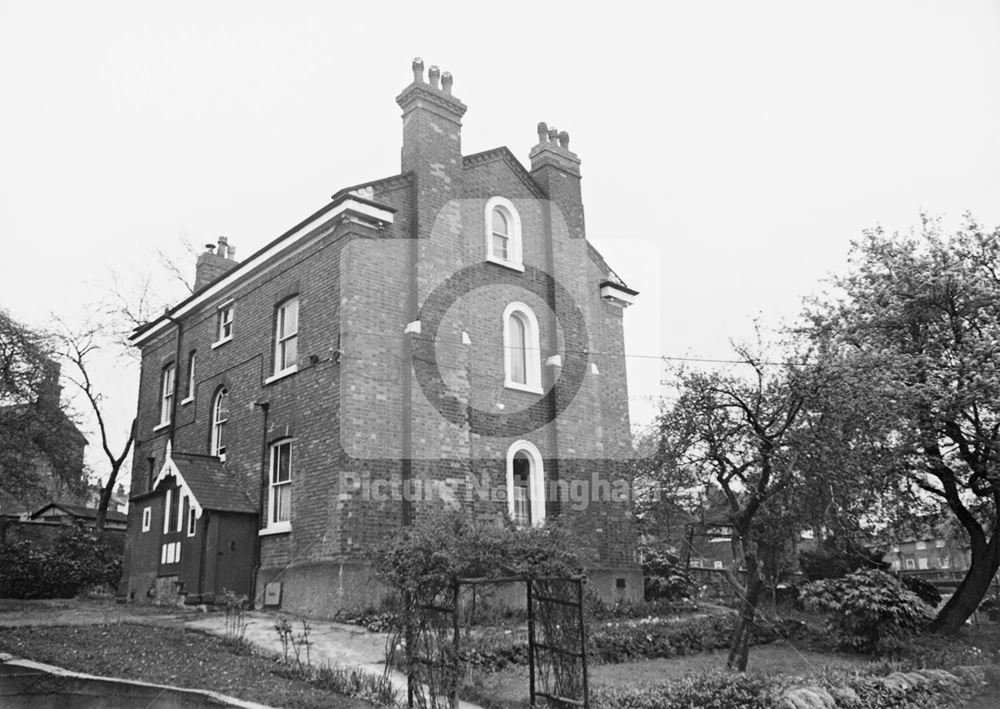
x=169, y=655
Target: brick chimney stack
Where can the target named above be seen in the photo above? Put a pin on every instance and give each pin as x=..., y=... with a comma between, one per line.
x=214, y=262
x=557, y=171
x=432, y=139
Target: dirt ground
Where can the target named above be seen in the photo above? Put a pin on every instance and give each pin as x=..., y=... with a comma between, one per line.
x=153, y=645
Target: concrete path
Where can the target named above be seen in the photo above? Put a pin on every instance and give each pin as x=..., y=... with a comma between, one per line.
x=334, y=643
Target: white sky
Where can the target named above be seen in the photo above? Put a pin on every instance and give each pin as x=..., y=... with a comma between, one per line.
x=745, y=143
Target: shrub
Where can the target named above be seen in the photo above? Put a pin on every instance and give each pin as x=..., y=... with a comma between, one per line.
x=832, y=561
x=625, y=641
x=925, y=590
x=664, y=577
x=598, y=610
x=710, y=690
x=426, y=558
x=355, y=682
x=991, y=603
x=840, y=689
x=871, y=611
x=78, y=560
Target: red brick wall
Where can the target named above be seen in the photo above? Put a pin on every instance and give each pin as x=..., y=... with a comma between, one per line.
x=354, y=407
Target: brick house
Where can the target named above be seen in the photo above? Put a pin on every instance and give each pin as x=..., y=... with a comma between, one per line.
x=441, y=337
x=55, y=459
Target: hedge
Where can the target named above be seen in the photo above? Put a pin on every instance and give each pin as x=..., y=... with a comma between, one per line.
x=78, y=560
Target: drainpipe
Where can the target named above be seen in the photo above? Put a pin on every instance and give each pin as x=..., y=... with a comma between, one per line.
x=406, y=464
x=264, y=407
x=177, y=381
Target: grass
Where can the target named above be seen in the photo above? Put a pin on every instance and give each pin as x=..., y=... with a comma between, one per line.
x=171, y=655
x=509, y=688
x=977, y=645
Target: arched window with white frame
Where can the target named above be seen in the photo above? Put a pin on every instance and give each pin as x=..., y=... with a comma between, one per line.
x=503, y=233
x=525, y=485
x=522, y=354
x=220, y=418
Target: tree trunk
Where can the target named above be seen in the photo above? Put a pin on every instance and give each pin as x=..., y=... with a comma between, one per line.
x=739, y=646
x=102, y=506
x=971, y=591
x=116, y=465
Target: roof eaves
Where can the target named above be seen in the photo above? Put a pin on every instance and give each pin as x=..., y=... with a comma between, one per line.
x=248, y=265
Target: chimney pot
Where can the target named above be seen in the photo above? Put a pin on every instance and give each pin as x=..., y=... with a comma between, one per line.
x=446, y=81
x=418, y=70
x=432, y=75
x=232, y=253
x=553, y=135
x=543, y=131
x=209, y=248
x=223, y=247
x=564, y=140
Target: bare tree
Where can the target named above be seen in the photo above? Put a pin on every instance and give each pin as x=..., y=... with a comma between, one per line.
x=79, y=350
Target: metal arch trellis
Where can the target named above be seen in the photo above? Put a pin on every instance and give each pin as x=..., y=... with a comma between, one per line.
x=557, y=642
x=559, y=656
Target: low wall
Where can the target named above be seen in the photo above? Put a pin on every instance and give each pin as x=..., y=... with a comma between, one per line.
x=320, y=590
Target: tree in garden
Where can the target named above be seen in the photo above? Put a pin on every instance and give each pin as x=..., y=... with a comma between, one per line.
x=79, y=350
x=921, y=314
x=736, y=433
x=33, y=426
x=130, y=300
x=782, y=441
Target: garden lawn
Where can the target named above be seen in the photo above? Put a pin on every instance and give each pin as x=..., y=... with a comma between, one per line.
x=173, y=656
x=510, y=687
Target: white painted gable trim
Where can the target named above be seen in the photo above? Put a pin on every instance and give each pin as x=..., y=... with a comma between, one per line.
x=170, y=468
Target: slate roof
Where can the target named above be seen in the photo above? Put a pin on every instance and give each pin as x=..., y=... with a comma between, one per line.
x=81, y=512
x=212, y=487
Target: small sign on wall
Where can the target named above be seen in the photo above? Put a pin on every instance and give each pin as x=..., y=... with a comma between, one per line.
x=272, y=594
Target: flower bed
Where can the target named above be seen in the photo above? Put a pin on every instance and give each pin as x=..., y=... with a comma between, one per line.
x=840, y=689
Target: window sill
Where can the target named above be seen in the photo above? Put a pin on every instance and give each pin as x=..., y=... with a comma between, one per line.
x=282, y=374
x=280, y=528
x=523, y=387
x=162, y=426
x=220, y=343
x=187, y=400
x=506, y=264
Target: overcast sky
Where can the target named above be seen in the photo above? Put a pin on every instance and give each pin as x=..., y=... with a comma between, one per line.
x=731, y=150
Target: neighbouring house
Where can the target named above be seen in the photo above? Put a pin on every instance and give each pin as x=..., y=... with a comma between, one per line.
x=939, y=559
x=54, y=461
x=444, y=337
x=117, y=503
x=69, y=514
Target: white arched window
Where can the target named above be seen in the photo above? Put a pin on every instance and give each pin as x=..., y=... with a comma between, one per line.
x=220, y=417
x=525, y=485
x=503, y=233
x=522, y=355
